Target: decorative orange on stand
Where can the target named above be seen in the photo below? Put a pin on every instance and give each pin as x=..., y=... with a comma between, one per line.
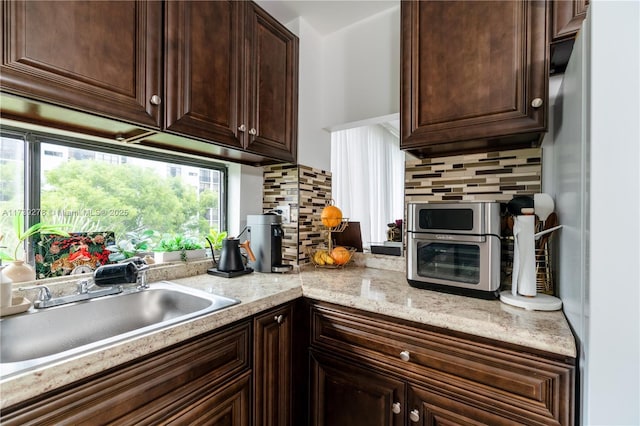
x=331, y=216
x=340, y=255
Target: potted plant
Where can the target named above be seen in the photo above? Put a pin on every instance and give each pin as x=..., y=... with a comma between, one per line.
x=136, y=244
x=215, y=238
x=18, y=270
x=172, y=248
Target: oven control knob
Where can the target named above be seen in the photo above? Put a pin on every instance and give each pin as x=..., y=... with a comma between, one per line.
x=404, y=355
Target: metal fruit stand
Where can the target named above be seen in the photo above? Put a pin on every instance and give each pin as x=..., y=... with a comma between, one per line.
x=328, y=247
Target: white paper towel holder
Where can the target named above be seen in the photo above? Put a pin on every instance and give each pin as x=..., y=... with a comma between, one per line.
x=531, y=301
x=539, y=302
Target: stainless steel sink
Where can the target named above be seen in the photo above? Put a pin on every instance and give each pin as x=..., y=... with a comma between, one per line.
x=39, y=337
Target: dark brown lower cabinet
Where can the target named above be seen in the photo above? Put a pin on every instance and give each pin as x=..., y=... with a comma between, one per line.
x=365, y=366
x=272, y=364
x=346, y=395
x=206, y=380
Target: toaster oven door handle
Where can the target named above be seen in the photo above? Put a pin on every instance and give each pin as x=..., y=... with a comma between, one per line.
x=451, y=238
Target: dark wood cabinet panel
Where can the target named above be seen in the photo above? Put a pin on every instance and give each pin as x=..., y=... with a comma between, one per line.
x=473, y=74
x=272, y=120
x=102, y=57
x=567, y=18
x=433, y=409
x=229, y=406
x=346, y=395
x=473, y=375
x=170, y=383
x=225, y=86
x=272, y=367
x=203, y=69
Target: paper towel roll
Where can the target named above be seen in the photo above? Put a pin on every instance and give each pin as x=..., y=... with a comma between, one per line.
x=524, y=256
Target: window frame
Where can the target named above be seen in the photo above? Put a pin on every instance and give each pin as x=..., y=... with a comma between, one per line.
x=32, y=173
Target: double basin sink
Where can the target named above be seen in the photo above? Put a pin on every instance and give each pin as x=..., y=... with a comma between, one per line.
x=40, y=337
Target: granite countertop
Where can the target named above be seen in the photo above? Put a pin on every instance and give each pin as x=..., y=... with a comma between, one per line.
x=380, y=291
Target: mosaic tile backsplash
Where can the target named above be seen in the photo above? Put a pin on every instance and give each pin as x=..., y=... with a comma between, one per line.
x=493, y=176
x=307, y=191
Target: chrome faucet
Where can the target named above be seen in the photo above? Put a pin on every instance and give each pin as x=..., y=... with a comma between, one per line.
x=44, y=294
x=84, y=287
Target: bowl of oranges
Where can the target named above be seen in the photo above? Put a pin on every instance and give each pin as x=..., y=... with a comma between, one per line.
x=336, y=257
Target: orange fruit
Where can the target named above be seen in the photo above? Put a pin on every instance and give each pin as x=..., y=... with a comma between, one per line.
x=340, y=255
x=331, y=216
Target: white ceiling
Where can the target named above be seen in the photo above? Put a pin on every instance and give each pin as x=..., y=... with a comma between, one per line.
x=326, y=16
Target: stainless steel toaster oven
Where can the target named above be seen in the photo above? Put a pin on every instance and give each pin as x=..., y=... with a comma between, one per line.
x=454, y=247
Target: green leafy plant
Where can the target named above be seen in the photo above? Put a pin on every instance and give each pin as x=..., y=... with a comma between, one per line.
x=216, y=238
x=135, y=243
x=18, y=226
x=178, y=243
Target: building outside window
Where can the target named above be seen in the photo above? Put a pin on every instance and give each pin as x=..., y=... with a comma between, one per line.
x=94, y=188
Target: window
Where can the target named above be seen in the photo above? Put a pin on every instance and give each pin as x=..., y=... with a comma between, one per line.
x=97, y=188
x=12, y=151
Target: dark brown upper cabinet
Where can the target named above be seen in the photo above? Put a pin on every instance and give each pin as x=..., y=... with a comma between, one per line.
x=203, y=70
x=272, y=86
x=102, y=57
x=474, y=76
x=225, y=87
x=567, y=18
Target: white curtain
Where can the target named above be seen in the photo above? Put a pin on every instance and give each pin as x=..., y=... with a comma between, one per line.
x=367, y=170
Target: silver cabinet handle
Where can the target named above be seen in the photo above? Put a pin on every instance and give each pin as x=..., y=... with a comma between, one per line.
x=155, y=100
x=253, y=132
x=414, y=416
x=404, y=355
x=536, y=103
x=395, y=408
x=279, y=319
x=242, y=128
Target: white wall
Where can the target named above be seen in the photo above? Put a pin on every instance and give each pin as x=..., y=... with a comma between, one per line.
x=613, y=351
x=245, y=196
x=595, y=157
x=314, y=143
x=362, y=69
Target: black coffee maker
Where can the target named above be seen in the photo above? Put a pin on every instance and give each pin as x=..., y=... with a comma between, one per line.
x=266, y=234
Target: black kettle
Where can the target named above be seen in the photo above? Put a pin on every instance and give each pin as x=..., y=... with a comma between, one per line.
x=230, y=257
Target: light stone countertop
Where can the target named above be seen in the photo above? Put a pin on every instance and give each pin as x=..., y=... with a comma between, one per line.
x=375, y=290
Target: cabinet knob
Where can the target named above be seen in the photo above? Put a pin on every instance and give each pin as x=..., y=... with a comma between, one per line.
x=253, y=132
x=395, y=408
x=155, y=100
x=404, y=355
x=414, y=416
x=279, y=319
x=242, y=128
x=536, y=103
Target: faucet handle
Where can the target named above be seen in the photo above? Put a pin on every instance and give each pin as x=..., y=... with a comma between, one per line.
x=43, y=295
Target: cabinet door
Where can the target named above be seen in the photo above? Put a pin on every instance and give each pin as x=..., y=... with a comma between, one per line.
x=272, y=367
x=343, y=394
x=97, y=56
x=226, y=407
x=181, y=382
x=567, y=18
x=203, y=63
x=474, y=75
x=429, y=408
x=272, y=86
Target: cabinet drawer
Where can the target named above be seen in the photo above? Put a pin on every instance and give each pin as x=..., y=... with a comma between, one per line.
x=160, y=384
x=484, y=371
